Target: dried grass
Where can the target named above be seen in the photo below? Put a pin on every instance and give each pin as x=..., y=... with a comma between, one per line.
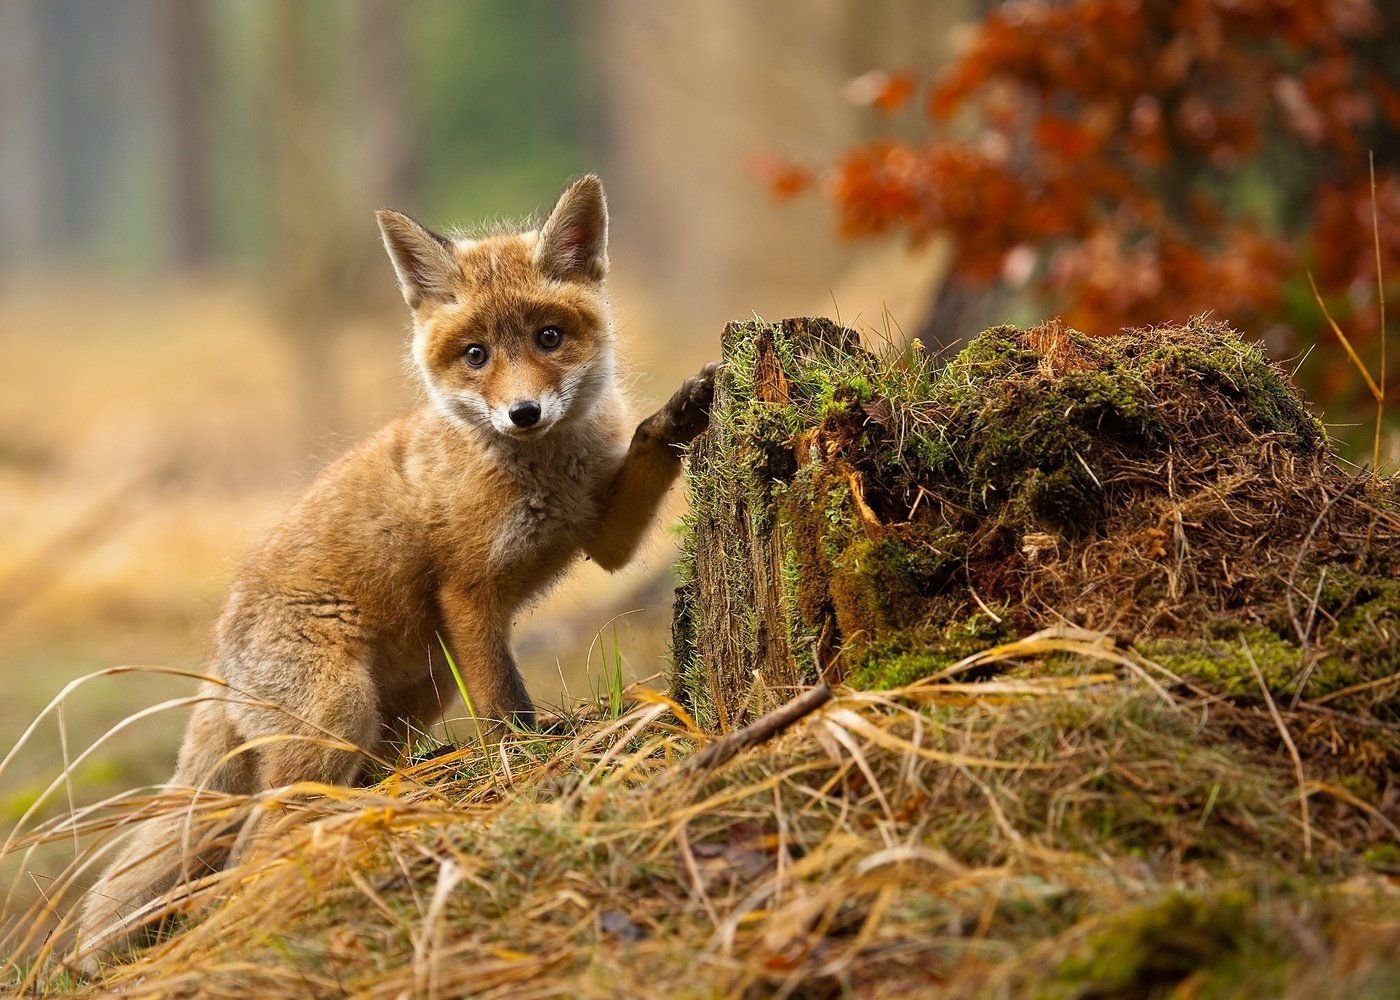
x=1064, y=829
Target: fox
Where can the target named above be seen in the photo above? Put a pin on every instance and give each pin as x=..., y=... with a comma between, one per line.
x=523, y=457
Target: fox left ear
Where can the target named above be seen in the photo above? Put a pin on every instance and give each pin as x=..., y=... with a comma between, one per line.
x=573, y=244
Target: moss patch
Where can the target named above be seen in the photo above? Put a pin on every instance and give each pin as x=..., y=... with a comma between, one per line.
x=1150, y=951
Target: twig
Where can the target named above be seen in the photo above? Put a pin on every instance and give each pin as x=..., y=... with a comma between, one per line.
x=1357, y=689
x=1364, y=721
x=1292, y=752
x=761, y=730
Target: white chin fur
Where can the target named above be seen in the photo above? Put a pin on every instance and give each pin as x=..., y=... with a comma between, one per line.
x=551, y=412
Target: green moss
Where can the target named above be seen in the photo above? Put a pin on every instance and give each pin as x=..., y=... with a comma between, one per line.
x=1243, y=374
x=1030, y=445
x=904, y=657
x=1364, y=645
x=885, y=584
x=690, y=670
x=804, y=625
x=1384, y=857
x=843, y=396
x=991, y=356
x=808, y=515
x=1213, y=940
x=1223, y=661
x=1365, y=642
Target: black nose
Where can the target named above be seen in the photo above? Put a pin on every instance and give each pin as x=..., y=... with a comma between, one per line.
x=525, y=413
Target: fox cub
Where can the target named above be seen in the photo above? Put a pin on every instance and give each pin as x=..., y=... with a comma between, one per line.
x=444, y=523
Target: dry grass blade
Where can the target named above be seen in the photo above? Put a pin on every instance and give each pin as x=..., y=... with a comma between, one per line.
x=1292, y=753
x=1380, y=306
x=1376, y=389
x=425, y=964
x=1058, y=639
x=79, y=682
x=1356, y=361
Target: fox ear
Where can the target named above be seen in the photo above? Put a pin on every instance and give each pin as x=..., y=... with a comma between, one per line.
x=573, y=244
x=422, y=259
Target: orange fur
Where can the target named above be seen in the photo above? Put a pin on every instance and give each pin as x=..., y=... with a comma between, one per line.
x=444, y=523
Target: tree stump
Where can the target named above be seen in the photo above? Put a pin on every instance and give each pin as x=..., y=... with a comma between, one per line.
x=750, y=649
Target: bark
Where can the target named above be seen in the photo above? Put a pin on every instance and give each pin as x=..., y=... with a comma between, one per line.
x=741, y=646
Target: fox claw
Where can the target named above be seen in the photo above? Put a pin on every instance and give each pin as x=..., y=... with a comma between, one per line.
x=686, y=415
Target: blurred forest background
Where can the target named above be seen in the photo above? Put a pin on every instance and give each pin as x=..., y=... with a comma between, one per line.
x=195, y=312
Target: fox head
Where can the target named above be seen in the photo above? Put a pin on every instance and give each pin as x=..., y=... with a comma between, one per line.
x=511, y=333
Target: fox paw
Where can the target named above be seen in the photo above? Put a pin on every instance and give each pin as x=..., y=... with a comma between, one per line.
x=686, y=415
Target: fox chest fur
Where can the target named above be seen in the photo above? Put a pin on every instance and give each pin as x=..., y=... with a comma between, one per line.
x=538, y=505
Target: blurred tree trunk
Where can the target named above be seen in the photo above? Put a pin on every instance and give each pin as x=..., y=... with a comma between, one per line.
x=304, y=210
x=22, y=221
x=185, y=26
x=696, y=91
x=340, y=144
x=388, y=138
x=959, y=311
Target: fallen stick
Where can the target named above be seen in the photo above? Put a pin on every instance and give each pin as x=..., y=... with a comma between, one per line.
x=761, y=730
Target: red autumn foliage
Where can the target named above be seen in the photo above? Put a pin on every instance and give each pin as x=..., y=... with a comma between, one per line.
x=1139, y=161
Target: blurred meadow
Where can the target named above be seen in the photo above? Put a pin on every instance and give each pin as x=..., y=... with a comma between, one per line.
x=195, y=311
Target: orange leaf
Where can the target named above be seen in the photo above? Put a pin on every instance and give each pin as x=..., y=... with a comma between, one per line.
x=784, y=178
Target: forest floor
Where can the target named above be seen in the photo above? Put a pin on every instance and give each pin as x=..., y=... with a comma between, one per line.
x=1070, y=828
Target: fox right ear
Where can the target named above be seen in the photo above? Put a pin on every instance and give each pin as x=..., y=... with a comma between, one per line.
x=423, y=260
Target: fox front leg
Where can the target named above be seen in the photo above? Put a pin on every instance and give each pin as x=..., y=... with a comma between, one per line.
x=479, y=634
x=652, y=463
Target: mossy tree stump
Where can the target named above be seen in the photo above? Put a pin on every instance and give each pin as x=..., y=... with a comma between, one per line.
x=871, y=519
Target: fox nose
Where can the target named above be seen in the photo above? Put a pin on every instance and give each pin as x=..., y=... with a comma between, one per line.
x=525, y=413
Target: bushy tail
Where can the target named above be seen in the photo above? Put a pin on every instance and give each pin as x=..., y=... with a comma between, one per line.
x=166, y=851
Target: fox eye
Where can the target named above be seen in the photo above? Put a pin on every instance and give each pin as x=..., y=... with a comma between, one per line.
x=476, y=355
x=549, y=338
